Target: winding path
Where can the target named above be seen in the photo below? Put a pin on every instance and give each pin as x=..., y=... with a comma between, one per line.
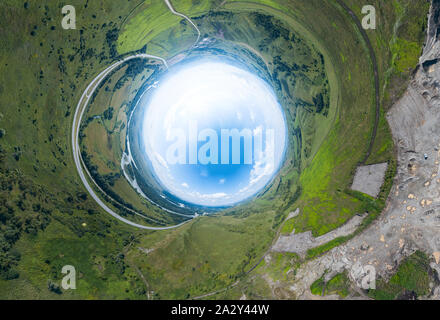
x=83, y=102
x=170, y=6
x=81, y=107
x=372, y=139
x=79, y=112
x=376, y=76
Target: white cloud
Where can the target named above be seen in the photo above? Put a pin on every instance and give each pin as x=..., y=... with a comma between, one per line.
x=212, y=92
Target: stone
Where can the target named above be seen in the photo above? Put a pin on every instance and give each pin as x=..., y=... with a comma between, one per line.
x=436, y=256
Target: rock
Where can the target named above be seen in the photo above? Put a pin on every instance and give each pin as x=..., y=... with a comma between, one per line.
x=401, y=243
x=293, y=214
x=369, y=179
x=436, y=256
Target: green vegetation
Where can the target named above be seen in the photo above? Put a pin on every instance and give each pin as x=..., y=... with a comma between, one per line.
x=339, y=284
x=152, y=24
x=280, y=265
x=369, y=205
x=102, y=270
x=102, y=139
x=406, y=54
x=314, y=252
x=311, y=112
x=317, y=288
x=409, y=282
x=322, y=78
x=205, y=255
x=324, y=205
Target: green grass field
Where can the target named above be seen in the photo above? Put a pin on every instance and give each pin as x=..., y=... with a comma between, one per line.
x=326, y=205
x=46, y=218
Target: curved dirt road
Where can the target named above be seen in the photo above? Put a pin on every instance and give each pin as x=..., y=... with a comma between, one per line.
x=81, y=107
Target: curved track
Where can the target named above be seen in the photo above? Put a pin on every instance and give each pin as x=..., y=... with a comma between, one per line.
x=170, y=6
x=370, y=147
x=81, y=107
x=376, y=76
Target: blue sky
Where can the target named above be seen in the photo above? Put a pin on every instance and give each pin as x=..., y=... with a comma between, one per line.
x=215, y=96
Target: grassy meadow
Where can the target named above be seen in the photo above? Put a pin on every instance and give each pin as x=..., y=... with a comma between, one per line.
x=47, y=220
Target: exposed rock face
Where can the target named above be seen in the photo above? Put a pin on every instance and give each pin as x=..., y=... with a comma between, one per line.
x=369, y=179
x=301, y=242
x=432, y=47
x=411, y=219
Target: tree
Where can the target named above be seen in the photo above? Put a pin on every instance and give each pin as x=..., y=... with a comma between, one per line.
x=53, y=287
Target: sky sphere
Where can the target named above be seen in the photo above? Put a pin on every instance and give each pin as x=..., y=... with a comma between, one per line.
x=215, y=134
